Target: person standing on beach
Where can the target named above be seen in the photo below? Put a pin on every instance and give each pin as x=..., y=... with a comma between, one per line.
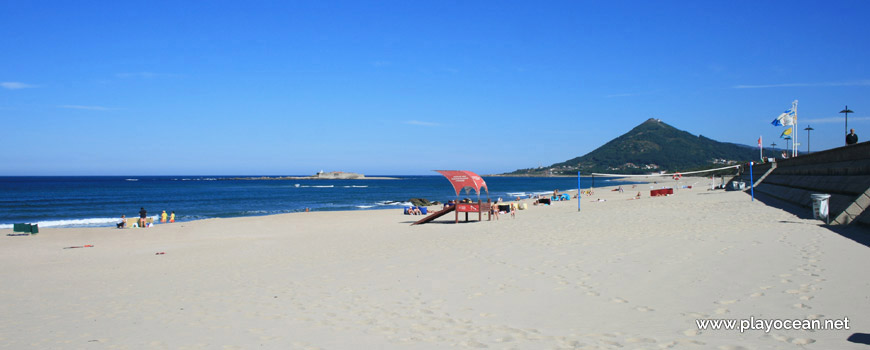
x=142, y=215
x=163, y=217
x=851, y=137
x=172, y=217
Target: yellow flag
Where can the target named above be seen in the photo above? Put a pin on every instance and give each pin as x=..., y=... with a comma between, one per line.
x=786, y=132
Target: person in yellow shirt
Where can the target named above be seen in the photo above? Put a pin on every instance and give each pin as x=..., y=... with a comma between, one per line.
x=172, y=217
x=163, y=217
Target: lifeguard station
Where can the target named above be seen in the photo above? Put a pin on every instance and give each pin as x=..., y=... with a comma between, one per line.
x=462, y=180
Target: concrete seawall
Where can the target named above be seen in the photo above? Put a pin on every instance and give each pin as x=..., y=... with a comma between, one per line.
x=842, y=172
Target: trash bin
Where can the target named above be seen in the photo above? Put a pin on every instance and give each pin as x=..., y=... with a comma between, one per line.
x=820, y=206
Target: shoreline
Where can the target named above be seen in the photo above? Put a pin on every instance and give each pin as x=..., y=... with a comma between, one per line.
x=97, y=222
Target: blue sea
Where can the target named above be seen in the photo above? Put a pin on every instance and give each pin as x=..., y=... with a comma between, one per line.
x=92, y=201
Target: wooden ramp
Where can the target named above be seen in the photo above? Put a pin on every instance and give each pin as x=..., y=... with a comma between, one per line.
x=435, y=215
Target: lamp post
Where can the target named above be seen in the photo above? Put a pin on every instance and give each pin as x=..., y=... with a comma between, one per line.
x=808, y=129
x=846, y=111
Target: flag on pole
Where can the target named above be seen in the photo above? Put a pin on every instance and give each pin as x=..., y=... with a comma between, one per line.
x=789, y=118
x=759, y=142
x=777, y=121
x=786, y=132
x=785, y=119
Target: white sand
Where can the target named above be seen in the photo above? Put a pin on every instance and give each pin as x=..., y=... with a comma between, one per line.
x=620, y=273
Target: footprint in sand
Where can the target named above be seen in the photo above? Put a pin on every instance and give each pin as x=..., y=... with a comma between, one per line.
x=644, y=309
x=730, y=347
x=505, y=339
x=475, y=344
x=781, y=338
x=726, y=302
x=640, y=340
x=802, y=306
x=802, y=341
x=756, y=295
x=691, y=332
x=806, y=297
x=722, y=311
x=475, y=295
x=619, y=300
x=592, y=294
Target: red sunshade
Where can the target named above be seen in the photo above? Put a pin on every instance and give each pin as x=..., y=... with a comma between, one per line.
x=461, y=179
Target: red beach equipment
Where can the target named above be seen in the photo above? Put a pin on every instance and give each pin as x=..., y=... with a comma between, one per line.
x=462, y=180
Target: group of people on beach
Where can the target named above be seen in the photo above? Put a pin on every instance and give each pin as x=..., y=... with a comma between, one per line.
x=494, y=209
x=143, y=219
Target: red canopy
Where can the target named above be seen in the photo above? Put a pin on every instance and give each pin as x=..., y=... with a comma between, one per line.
x=461, y=179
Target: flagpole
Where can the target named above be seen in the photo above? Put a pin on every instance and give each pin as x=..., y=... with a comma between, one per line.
x=794, y=138
x=760, y=149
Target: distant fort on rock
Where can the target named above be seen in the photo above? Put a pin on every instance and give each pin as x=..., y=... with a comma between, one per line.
x=339, y=175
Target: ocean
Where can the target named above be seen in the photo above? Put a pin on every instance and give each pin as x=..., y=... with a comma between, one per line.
x=93, y=201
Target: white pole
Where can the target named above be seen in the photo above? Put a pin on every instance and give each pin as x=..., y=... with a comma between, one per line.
x=794, y=136
x=760, y=149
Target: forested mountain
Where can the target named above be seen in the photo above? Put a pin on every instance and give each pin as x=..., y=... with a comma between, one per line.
x=653, y=146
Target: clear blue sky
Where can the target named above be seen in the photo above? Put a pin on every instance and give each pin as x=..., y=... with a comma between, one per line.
x=404, y=87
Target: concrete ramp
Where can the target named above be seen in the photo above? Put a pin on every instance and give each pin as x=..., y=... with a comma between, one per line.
x=842, y=172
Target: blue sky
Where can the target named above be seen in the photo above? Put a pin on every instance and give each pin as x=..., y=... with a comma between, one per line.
x=404, y=87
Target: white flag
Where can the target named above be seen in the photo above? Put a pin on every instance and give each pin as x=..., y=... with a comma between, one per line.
x=786, y=119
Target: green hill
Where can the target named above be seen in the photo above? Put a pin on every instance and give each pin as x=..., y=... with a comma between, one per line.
x=653, y=146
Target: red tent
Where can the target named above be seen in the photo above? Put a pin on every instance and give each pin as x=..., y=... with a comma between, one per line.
x=463, y=179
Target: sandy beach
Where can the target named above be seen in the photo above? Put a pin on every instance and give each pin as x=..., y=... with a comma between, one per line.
x=620, y=273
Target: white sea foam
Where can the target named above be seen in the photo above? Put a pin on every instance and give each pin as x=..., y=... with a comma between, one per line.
x=73, y=222
x=393, y=203
x=365, y=206
x=255, y=212
x=131, y=179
